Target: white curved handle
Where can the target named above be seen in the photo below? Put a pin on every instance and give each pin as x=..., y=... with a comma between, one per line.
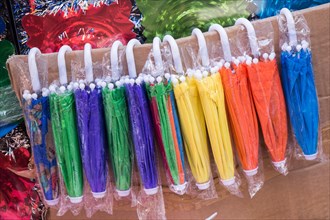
x=291, y=26
x=114, y=59
x=88, y=62
x=156, y=52
x=33, y=69
x=61, y=64
x=130, y=57
x=224, y=40
x=175, y=53
x=251, y=34
x=202, y=46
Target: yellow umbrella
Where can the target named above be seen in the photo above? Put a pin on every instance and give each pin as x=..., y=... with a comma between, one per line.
x=192, y=121
x=213, y=104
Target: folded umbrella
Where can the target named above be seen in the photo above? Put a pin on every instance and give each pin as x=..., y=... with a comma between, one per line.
x=268, y=98
x=63, y=118
x=141, y=125
x=37, y=115
x=90, y=124
x=300, y=91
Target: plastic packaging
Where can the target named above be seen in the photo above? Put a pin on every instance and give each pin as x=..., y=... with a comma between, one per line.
x=165, y=120
x=212, y=100
x=87, y=87
x=266, y=88
x=37, y=115
x=120, y=142
x=299, y=85
x=150, y=198
x=193, y=128
x=241, y=113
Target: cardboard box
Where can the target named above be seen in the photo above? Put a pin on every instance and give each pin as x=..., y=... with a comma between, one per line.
x=303, y=194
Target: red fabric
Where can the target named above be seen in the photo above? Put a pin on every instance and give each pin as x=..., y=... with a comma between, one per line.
x=99, y=26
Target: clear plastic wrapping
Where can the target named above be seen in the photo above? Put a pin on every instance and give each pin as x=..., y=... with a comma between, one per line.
x=299, y=86
x=265, y=84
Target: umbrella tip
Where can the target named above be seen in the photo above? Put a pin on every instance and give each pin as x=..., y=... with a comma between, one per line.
x=265, y=56
x=138, y=81
x=167, y=76
x=272, y=56
x=103, y=84
x=227, y=65
x=92, y=86
x=69, y=87
x=174, y=80
x=110, y=86
x=288, y=48
x=248, y=62
x=26, y=91
x=52, y=88
x=205, y=73
x=305, y=44
x=151, y=79
x=62, y=89
x=182, y=78
x=82, y=86
x=75, y=85
x=159, y=79
x=236, y=61
x=255, y=60
x=131, y=81
x=34, y=96
x=118, y=84
x=26, y=95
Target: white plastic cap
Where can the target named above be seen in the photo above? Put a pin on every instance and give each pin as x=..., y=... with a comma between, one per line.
x=92, y=86
x=151, y=191
x=76, y=200
x=123, y=193
x=52, y=202
x=251, y=172
x=279, y=164
x=203, y=186
x=311, y=156
x=99, y=195
x=227, y=65
x=179, y=187
x=34, y=95
x=228, y=182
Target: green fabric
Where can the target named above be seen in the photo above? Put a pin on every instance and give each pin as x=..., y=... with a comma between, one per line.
x=63, y=118
x=161, y=93
x=179, y=17
x=119, y=139
x=6, y=49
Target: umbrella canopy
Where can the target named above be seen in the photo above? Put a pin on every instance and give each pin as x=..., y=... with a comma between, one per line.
x=37, y=115
x=164, y=123
x=301, y=98
x=64, y=124
x=119, y=136
x=268, y=98
x=91, y=127
x=141, y=125
x=242, y=114
x=300, y=91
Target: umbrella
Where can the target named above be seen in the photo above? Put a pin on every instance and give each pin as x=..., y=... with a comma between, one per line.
x=192, y=121
x=141, y=125
x=300, y=91
x=63, y=118
x=268, y=98
x=36, y=108
x=90, y=123
x=167, y=130
x=118, y=128
x=213, y=103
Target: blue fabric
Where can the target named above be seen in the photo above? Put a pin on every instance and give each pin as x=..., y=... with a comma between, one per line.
x=7, y=128
x=270, y=8
x=301, y=98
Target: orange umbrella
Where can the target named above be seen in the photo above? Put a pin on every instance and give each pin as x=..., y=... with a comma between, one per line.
x=268, y=98
x=242, y=115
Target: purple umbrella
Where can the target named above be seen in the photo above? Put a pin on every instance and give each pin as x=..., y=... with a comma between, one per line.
x=90, y=118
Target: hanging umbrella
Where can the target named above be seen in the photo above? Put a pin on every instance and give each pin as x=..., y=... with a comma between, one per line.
x=164, y=124
x=300, y=91
x=192, y=121
x=90, y=122
x=118, y=128
x=141, y=126
x=268, y=99
x=63, y=118
x=213, y=103
x=37, y=115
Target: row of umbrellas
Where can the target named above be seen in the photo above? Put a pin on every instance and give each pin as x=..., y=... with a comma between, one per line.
x=130, y=117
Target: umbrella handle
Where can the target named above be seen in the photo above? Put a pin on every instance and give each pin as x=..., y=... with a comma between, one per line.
x=202, y=46
x=130, y=57
x=33, y=69
x=251, y=34
x=175, y=53
x=224, y=40
x=61, y=64
x=88, y=62
x=291, y=26
x=114, y=59
x=157, y=54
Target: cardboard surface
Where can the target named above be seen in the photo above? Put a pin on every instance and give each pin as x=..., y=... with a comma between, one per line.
x=303, y=194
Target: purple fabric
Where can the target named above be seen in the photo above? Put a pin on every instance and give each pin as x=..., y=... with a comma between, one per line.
x=142, y=134
x=90, y=117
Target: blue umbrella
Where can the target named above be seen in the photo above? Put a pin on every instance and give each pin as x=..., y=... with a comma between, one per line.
x=37, y=115
x=300, y=91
